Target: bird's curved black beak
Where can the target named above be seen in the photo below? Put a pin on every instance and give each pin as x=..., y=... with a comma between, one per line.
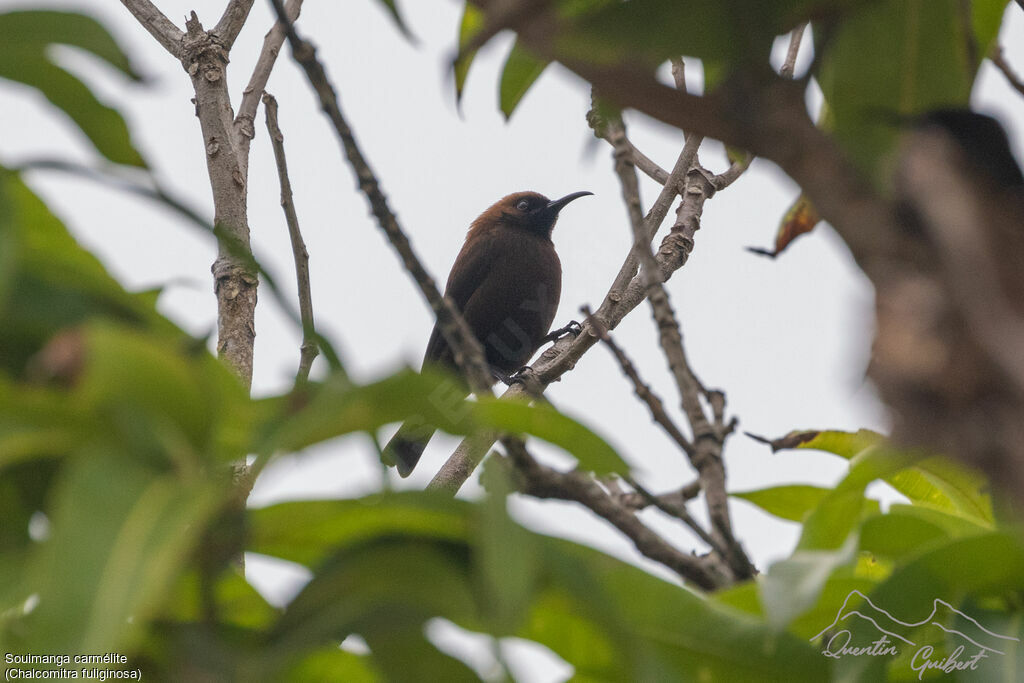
x=555, y=206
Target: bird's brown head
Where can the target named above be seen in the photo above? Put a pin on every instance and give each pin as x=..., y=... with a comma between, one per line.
x=530, y=211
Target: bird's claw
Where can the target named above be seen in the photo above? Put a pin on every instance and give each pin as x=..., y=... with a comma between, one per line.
x=573, y=328
x=519, y=376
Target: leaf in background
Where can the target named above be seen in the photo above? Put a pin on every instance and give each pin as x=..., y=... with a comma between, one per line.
x=24, y=57
x=384, y=589
x=893, y=59
x=829, y=537
x=793, y=502
x=520, y=72
x=987, y=567
x=934, y=481
x=49, y=282
x=306, y=531
x=338, y=407
x=396, y=16
x=838, y=514
x=793, y=585
x=653, y=30
x=545, y=422
x=898, y=536
x=800, y=218
x=160, y=390
x=471, y=24
x=238, y=603
x=332, y=664
x=402, y=559
x=508, y=564
x=120, y=531
x=657, y=630
x=943, y=484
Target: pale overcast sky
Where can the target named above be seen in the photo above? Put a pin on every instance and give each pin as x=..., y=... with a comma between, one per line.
x=788, y=340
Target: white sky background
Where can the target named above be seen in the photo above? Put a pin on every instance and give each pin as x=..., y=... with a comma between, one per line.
x=788, y=340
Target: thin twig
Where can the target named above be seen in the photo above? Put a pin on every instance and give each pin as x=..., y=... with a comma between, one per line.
x=309, y=349
x=467, y=351
x=541, y=481
x=1011, y=76
x=670, y=508
x=795, y=38
x=649, y=166
x=635, y=501
x=642, y=390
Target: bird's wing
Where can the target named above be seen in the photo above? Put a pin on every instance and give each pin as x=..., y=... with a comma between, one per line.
x=469, y=271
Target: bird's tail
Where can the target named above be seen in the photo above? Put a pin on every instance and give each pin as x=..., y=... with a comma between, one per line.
x=406, y=446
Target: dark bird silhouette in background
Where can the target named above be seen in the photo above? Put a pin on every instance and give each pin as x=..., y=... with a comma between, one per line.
x=506, y=281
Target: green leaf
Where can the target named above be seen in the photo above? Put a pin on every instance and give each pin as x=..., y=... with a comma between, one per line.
x=508, y=555
x=984, y=568
x=49, y=282
x=837, y=515
x=641, y=624
x=384, y=589
x=119, y=534
x=306, y=531
x=332, y=664
x=899, y=58
x=651, y=31
x=238, y=603
x=338, y=407
x=545, y=422
x=943, y=484
x=610, y=620
x=25, y=57
x=792, y=502
x=794, y=585
x=170, y=395
x=470, y=25
x=519, y=73
x=936, y=482
x=898, y=536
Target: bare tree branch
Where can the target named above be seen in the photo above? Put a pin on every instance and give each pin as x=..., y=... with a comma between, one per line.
x=541, y=481
x=158, y=25
x=246, y=117
x=706, y=457
x=309, y=348
x=678, y=511
x=231, y=22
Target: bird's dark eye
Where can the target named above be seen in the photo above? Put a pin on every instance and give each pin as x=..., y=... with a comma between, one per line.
x=523, y=205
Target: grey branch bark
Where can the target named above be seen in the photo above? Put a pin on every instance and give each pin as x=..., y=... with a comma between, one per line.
x=540, y=481
x=309, y=348
x=158, y=25
x=205, y=60
x=231, y=22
